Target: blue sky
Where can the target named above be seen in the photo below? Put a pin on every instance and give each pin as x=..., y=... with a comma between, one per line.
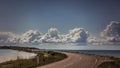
x=20, y=15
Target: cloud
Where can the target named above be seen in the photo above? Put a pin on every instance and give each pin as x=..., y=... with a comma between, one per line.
x=8, y=38
x=97, y=40
x=31, y=36
x=112, y=32
x=77, y=35
x=53, y=33
x=51, y=36
x=93, y=40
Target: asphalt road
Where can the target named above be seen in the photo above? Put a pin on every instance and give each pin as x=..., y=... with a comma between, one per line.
x=74, y=61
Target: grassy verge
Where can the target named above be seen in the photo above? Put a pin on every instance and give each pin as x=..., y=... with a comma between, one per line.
x=42, y=58
x=111, y=64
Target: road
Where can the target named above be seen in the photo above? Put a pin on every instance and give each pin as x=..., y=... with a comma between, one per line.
x=74, y=60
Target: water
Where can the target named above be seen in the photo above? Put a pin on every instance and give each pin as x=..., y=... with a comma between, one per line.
x=74, y=46
x=7, y=55
x=106, y=50
x=114, y=53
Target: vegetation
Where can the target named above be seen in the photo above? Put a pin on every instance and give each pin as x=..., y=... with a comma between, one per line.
x=112, y=64
x=42, y=58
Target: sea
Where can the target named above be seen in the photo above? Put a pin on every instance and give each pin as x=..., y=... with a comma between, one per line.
x=7, y=55
x=103, y=50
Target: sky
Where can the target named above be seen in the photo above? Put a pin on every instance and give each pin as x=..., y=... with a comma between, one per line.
x=93, y=15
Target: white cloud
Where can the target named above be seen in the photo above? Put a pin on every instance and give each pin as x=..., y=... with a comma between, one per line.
x=92, y=40
x=8, y=38
x=51, y=36
x=77, y=35
x=112, y=32
x=110, y=35
x=53, y=33
x=31, y=36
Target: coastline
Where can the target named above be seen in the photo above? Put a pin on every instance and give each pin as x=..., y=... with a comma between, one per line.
x=73, y=58
x=8, y=55
x=42, y=58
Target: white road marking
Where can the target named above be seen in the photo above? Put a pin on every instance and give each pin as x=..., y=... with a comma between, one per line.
x=68, y=65
x=95, y=63
x=80, y=58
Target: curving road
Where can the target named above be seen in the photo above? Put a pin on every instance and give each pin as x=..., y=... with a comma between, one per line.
x=74, y=61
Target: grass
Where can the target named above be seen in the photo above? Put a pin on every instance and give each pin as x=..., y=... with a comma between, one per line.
x=42, y=58
x=112, y=64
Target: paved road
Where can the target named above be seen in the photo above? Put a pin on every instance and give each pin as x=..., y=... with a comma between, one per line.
x=74, y=61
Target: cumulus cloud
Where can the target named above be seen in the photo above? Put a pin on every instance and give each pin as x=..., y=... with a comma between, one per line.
x=53, y=33
x=112, y=32
x=97, y=40
x=8, y=38
x=93, y=40
x=52, y=36
x=31, y=36
x=77, y=35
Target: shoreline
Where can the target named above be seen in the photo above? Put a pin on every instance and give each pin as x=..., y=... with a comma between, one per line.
x=97, y=59
x=42, y=58
x=9, y=54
